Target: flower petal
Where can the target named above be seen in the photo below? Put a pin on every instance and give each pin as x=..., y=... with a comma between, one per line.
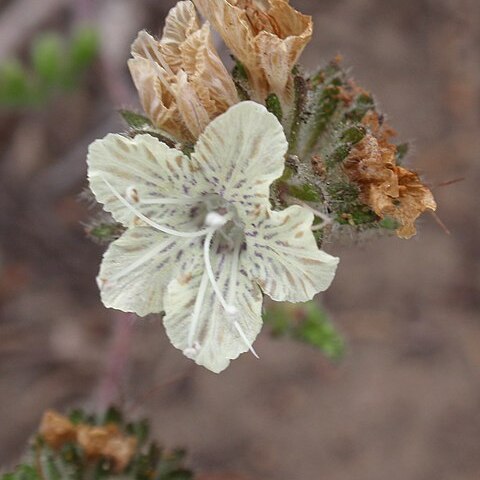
x=144, y=171
x=138, y=266
x=196, y=322
x=241, y=153
x=181, y=22
x=284, y=258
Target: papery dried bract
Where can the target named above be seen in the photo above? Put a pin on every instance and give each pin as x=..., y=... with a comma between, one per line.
x=389, y=190
x=182, y=82
x=266, y=36
x=414, y=198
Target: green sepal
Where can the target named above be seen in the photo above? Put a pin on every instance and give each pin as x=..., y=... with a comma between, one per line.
x=274, y=106
x=135, y=120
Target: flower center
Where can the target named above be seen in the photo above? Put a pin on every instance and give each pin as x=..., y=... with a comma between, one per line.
x=218, y=218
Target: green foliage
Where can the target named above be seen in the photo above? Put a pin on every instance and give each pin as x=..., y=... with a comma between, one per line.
x=307, y=323
x=69, y=461
x=56, y=65
x=47, y=58
x=304, y=192
x=83, y=49
x=15, y=88
x=136, y=120
x=331, y=116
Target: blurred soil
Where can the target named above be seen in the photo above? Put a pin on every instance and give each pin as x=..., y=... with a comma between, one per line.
x=405, y=402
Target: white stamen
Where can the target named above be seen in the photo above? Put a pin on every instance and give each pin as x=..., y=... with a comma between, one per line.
x=231, y=294
x=197, y=308
x=245, y=339
x=153, y=224
x=149, y=255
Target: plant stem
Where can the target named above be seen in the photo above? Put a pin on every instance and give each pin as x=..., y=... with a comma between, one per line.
x=109, y=390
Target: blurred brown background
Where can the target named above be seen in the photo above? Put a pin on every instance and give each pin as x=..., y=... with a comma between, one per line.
x=405, y=402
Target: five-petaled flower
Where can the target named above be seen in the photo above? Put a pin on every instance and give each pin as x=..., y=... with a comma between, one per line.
x=202, y=241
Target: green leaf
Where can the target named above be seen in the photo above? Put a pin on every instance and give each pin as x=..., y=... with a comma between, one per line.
x=53, y=472
x=48, y=58
x=113, y=415
x=140, y=430
x=307, y=323
x=84, y=48
x=318, y=331
x=77, y=416
x=15, y=88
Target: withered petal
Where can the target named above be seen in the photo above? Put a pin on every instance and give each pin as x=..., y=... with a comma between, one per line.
x=389, y=190
x=266, y=36
x=56, y=429
x=181, y=22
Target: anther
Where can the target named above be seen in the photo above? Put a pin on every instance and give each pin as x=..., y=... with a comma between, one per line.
x=215, y=220
x=193, y=351
x=131, y=194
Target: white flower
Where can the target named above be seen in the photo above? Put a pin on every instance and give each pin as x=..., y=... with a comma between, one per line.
x=202, y=242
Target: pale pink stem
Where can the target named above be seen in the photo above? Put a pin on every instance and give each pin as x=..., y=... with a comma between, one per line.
x=109, y=390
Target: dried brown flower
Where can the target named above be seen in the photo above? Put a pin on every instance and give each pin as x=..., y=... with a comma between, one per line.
x=266, y=36
x=96, y=441
x=107, y=442
x=388, y=189
x=182, y=82
x=56, y=429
